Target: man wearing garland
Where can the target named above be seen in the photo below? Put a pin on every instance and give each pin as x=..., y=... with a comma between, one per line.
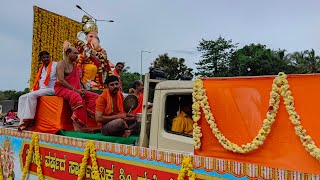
x=43, y=85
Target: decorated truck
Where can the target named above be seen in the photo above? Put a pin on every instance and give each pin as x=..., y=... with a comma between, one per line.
x=244, y=128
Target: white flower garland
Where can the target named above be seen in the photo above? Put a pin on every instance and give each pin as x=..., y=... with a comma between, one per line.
x=280, y=86
x=305, y=139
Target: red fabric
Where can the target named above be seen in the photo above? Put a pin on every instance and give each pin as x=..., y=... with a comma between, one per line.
x=139, y=107
x=81, y=106
x=97, y=63
x=46, y=81
x=11, y=115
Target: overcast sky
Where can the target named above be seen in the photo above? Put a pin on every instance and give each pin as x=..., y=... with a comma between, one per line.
x=172, y=26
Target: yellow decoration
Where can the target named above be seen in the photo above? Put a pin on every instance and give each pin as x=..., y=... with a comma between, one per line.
x=280, y=86
x=89, y=24
x=201, y=100
x=186, y=169
x=89, y=72
x=50, y=30
x=89, y=150
x=1, y=175
x=305, y=139
x=34, y=147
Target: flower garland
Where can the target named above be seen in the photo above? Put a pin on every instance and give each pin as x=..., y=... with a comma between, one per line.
x=34, y=146
x=186, y=169
x=38, y=158
x=50, y=30
x=28, y=160
x=280, y=86
x=305, y=139
x=1, y=175
x=201, y=100
x=89, y=150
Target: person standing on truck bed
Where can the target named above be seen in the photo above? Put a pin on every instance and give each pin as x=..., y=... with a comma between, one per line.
x=183, y=123
x=117, y=70
x=137, y=90
x=43, y=86
x=109, y=110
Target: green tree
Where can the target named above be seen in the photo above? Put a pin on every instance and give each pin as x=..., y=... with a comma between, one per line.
x=257, y=59
x=216, y=56
x=127, y=79
x=12, y=94
x=306, y=61
x=286, y=61
x=174, y=68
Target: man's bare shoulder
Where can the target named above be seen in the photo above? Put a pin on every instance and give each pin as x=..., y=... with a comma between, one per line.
x=61, y=63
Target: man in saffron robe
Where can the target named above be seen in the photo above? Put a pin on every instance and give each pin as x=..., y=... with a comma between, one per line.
x=117, y=70
x=137, y=90
x=137, y=87
x=109, y=110
x=43, y=85
x=69, y=87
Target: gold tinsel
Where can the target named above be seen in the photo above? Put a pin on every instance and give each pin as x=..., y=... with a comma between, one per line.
x=50, y=30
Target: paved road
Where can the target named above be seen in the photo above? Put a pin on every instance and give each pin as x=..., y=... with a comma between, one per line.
x=14, y=125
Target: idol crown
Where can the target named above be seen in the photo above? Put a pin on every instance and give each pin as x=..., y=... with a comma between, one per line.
x=88, y=24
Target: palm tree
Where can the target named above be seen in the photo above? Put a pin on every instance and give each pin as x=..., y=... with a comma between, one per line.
x=299, y=61
x=312, y=61
x=306, y=61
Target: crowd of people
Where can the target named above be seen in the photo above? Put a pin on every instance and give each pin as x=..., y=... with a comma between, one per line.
x=64, y=80
x=84, y=71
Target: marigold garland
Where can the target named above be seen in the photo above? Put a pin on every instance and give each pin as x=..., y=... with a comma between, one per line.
x=50, y=30
x=89, y=150
x=201, y=100
x=305, y=139
x=187, y=169
x=34, y=147
x=280, y=86
x=1, y=175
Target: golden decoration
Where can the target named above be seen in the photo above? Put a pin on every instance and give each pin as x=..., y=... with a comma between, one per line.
x=89, y=150
x=89, y=24
x=50, y=30
x=1, y=175
x=187, y=169
x=34, y=147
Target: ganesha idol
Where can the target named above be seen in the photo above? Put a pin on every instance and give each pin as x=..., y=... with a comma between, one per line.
x=92, y=58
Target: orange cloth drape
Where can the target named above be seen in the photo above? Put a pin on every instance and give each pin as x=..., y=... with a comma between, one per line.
x=53, y=114
x=139, y=107
x=239, y=106
x=115, y=73
x=46, y=81
x=104, y=103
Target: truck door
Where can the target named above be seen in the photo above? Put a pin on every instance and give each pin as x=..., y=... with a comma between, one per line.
x=169, y=107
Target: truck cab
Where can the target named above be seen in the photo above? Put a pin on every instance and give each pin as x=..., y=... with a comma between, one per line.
x=156, y=126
